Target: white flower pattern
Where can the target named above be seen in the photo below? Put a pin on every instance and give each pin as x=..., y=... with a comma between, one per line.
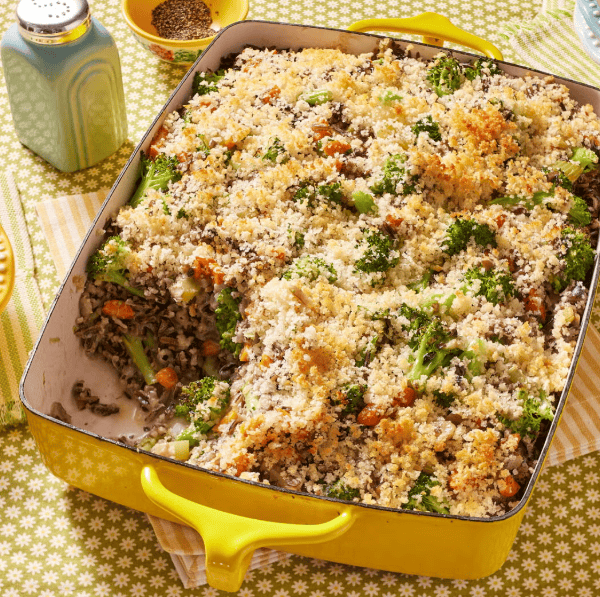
x=58, y=541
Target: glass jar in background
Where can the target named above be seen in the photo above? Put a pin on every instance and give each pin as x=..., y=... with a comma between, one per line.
x=64, y=83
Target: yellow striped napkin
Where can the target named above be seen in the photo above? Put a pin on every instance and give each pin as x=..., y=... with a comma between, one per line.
x=24, y=314
x=63, y=221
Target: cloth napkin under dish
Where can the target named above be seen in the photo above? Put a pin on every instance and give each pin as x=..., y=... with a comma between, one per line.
x=549, y=43
x=24, y=314
x=65, y=220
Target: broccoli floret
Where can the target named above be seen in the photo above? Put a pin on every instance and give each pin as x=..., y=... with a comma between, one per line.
x=443, y=399
x=367, y=354
x=393, y=174
x=275, y=149
x=528, y=202
x=427, y=125
x=482, y=67
x=535, y=410
x=227, y=315
x=581, y=160
x=495, y=285
x=203, y=403
x=461, y=231
x=316, y=97
x=377, y=256
x=577, y=255
x=156, y=174
x=135, y=348
x=350, y=396
x=445, y=75
x=310, y=192
x=311, y=268
x=107, y=264
x=428, y=339
x=206, y=82
x=341, y=491
x=579, y=214
x=420, y=498
x=363, y=202
x=422, y=282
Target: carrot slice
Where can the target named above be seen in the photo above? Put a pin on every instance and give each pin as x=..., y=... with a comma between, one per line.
x=118, y=309
x=167, y=377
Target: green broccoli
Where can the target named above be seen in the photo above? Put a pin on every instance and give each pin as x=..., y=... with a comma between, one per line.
x=495, y=285
x=350, y=396
x=445, y=75
x=155, y=174
x=559, y=178
x=582, y=160
x=275, y=149
x=427, y=125
x=311, y=268
x=377, y=256
x=461, y=231
x=203, y=402
x=341, y=491
x=476, y=357
x=316, y=97
x=482, y=67
x=394, y=174
x=227, y=315
x=577, y=255
x=422, y=282
x=389, y=96
x=206, y=82
x=107, y=264
x=420, y=498
x=535, y=410
x=443, y=399
x=135, y=348
x=363, y=202
x=579, y=214
x=529, y=203
x=428, y=338
x=367, y=354
x=311, y=192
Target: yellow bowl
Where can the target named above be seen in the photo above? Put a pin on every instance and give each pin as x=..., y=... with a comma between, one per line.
x=138, y=15
x=7, y=269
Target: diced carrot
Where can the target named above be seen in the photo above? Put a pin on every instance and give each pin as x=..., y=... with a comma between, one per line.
x=508, y=487
x=500, y=220
x=535, y=304
x=167, y=377
x=229, y=144
x=244, y=355
x=265, y=360
x=118, y=309
x=369, y=416
x=271, y=95
x=394, y=222
x=320, y=131
x=208, y=268
x=209, y=348
x=157, y=142
x=406, y=397
x=336, y=147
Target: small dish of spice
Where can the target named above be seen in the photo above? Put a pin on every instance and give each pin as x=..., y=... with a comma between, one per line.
x=177, y=31
x=183, y=19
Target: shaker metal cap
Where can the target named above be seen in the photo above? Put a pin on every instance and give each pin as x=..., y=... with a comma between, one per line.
x=53, y=21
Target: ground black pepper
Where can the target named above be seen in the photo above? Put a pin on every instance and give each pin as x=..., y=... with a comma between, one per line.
x=182, y=19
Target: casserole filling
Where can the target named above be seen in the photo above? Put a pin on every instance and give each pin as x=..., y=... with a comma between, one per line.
x=353, y=276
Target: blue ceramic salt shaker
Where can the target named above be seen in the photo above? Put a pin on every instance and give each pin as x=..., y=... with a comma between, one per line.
x=63, y=77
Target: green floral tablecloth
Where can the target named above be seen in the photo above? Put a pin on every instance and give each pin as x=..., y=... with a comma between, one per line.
x=56, y=540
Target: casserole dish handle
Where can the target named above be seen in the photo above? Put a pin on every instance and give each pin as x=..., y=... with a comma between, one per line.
x=230, y=539
x=434, y=28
